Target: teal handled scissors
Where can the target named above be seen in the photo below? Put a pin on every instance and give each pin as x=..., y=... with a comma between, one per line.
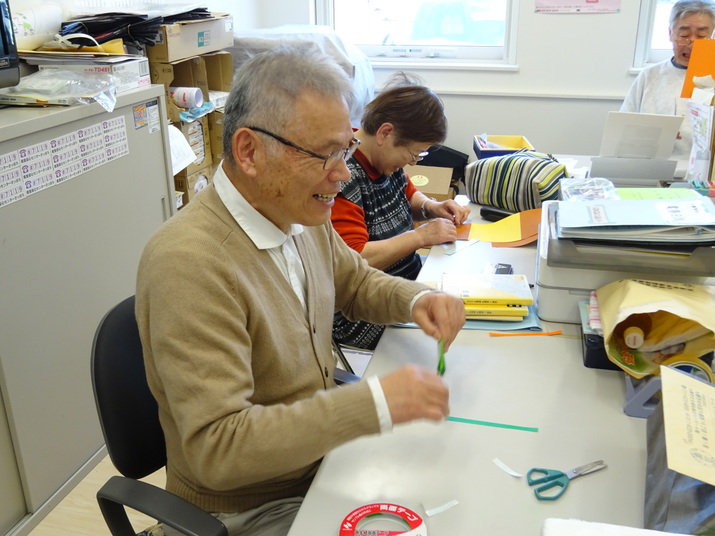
x=551, y=479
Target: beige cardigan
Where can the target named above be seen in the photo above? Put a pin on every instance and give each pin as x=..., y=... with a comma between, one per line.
x=243, y=380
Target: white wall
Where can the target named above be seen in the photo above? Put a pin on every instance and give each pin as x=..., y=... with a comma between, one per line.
x=251, y=14
x=571, y=70
x=245, y=12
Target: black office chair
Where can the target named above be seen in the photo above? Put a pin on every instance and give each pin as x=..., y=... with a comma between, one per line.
x=347, y=367
x=129, y=417
x=130, y=423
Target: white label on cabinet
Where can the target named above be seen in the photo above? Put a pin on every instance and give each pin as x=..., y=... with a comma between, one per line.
x=36, y=167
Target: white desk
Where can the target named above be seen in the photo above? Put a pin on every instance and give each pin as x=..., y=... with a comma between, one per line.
x=525, y=381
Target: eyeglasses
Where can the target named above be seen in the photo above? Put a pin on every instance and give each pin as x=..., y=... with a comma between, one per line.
x=330, y=162
x=685, y=41
x=419, y=156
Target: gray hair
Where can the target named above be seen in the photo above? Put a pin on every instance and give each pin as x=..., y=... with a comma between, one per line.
x=267, y=85
x=683, y=8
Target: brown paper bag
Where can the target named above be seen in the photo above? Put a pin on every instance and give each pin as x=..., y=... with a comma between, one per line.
x=674, y=325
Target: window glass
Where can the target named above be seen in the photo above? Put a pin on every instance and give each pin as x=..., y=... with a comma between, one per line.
x=659, y=38
x=424, y=29
x=653, y=43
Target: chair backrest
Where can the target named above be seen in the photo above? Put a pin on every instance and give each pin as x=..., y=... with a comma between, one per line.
x=127, y=410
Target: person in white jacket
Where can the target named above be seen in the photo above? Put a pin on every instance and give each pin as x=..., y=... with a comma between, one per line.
x=656, y=90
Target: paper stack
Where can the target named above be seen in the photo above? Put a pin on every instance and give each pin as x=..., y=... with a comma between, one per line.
x=656, y=221
x=503, y=297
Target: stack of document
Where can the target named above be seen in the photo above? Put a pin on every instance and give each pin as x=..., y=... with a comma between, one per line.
x=668, y=258
x=640, y=221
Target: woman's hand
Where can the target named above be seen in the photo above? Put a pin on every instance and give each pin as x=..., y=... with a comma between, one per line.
x=450, y=210
x=436, y=231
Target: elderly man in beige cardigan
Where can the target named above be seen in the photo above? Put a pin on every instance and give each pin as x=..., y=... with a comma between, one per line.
x=235, y=301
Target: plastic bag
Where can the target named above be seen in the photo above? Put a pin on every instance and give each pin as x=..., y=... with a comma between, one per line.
x=587, y=189
x=55, y=86
x=674, y=502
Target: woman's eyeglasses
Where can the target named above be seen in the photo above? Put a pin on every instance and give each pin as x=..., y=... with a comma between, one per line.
x=418, y=157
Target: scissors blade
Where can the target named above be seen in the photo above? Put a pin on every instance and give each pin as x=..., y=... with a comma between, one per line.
x=586, y=469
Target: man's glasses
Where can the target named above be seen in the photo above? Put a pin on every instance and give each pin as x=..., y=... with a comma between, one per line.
x=685, y=41
x=330, y=162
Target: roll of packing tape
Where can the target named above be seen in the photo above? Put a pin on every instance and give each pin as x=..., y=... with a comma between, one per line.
x=694, y=366
x=186, y=97
x=383, y=519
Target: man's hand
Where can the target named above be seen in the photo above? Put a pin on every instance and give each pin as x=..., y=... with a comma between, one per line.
x=415, y=393
x=440, y=315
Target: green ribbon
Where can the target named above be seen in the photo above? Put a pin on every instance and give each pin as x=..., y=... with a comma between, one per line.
x=494, y=424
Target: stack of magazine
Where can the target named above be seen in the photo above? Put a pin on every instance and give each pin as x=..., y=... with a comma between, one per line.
x=655, y=222
x=503, y=297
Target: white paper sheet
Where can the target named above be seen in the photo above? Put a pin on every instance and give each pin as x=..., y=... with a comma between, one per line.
x=181, y=152
x=634, y=135
x=689, y=416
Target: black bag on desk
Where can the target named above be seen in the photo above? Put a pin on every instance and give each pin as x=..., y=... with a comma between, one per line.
x=446, y=157
x=517, y=181
x=674, y=502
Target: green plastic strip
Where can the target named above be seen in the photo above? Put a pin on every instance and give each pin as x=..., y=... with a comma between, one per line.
x=441, y=365
x=494, y=424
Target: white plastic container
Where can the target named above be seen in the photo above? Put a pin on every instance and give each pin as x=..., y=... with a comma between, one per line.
x=35, y=24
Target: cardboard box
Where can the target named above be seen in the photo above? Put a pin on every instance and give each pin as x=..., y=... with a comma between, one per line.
x=197, y=134
x=219, y=71
x=178, y=198
x=509, y=144
x=432, y=181
x=184, y=39
x=207, y=72
x=190, y=72
x=131, y=72
x=216, y=134
x=192, y=183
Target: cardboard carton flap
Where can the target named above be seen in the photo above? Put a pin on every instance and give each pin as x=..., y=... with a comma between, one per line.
x=432, y=181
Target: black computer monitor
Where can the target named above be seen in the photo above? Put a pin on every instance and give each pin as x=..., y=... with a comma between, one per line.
x=9, y=60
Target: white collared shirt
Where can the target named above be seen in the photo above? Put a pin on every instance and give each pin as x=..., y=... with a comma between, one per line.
x=265, y=235
x=281, y=247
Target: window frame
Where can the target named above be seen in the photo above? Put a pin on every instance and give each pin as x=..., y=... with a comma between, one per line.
x=644, y=54
x=497, y=58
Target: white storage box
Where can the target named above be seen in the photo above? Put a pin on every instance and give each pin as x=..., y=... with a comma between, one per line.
x=130, y=72
x=558, y=289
